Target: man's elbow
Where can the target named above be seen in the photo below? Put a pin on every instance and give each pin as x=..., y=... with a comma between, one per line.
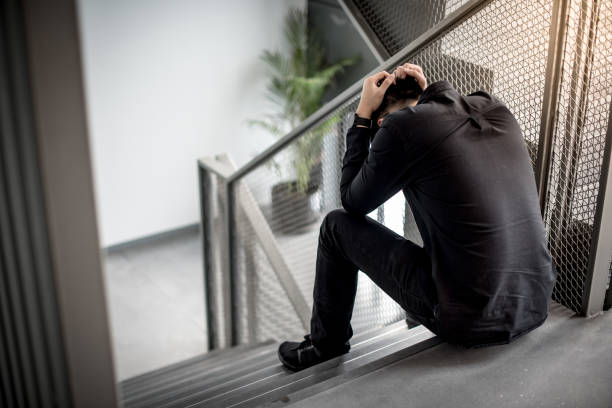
x=354, y=206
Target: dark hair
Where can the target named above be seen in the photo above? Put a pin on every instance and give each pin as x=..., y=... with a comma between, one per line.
x=407, y=88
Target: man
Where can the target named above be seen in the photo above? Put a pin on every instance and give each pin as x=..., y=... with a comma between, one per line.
x=484, y=275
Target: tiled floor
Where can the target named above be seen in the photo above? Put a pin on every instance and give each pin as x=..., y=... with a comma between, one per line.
x=155, y=295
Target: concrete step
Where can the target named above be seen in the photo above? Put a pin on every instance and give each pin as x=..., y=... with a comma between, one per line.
x=209, y=359
x=252, y=375
x=289, y=387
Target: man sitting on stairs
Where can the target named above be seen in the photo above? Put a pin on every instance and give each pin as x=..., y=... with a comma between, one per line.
x=484, y=275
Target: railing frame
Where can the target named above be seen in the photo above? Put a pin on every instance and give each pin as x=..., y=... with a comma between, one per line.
x=596, y=298
x=557, y=36
x=552, y=83
x=222, y=167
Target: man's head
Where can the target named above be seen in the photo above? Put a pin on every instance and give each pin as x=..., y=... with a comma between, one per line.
x=405, y=92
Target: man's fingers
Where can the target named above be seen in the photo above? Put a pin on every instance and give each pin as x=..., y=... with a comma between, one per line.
x=401, y=68
x=379, y=76
x=412, y=72
x=417, y=75
x=387, y=82
x=400, y=73
x=413, y=66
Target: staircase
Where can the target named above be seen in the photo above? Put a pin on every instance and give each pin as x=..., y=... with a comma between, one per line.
x=252, y=375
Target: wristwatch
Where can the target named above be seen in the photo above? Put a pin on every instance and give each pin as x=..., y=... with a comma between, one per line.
x=369, y=123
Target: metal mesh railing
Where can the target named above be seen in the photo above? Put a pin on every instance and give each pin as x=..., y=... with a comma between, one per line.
x=578, y=145
x=295, y=212
x=502, y=48
x=498, y=46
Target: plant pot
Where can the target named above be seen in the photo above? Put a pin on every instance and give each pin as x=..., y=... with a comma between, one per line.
x=292, y=210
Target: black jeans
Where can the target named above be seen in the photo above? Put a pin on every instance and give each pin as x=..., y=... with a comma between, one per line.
x=349, y=243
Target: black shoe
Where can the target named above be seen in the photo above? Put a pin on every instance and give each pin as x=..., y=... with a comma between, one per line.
x=298, y=356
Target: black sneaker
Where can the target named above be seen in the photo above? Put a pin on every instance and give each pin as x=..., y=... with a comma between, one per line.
x=298, y=356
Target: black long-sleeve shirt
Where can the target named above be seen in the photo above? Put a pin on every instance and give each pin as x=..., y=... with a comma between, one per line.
x=464, y=169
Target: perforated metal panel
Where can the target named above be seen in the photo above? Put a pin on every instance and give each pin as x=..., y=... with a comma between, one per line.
x=578, y=145
x=397, y=23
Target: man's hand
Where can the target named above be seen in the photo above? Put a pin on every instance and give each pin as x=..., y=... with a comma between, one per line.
x=412, y=70
x=372, y=94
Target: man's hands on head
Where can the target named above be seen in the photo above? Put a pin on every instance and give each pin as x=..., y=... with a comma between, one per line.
x=372, y=93
x=412, y=70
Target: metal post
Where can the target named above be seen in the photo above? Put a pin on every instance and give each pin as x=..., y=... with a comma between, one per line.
x=216, y=262
x=598, y=276
x=608, y=300
x=232, y=281
x=204, y=184
x=552, y=82
x=250, y=281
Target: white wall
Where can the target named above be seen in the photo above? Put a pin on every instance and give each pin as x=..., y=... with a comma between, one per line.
x=168, y=82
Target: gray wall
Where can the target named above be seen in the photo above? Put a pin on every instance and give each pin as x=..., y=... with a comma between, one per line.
x=169, y=82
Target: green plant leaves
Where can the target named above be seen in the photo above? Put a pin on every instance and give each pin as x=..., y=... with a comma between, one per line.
x=297, y=84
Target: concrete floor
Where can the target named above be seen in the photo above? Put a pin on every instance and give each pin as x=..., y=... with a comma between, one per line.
x=155, y=295
x=567, y=362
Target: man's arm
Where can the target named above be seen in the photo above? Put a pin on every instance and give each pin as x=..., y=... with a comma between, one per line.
x=369, y=178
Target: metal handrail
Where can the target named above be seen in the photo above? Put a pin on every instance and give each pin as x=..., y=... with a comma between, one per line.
x=310, y=122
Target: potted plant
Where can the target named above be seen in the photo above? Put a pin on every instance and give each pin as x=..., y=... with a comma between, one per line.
x=297, y=84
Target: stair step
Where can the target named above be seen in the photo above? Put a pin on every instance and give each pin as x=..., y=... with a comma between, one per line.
x=209, y=359
x=201, y=378
x=395, y=352
x=271, y=368
x=243, y=370
x=275, y=389
x=199, y=371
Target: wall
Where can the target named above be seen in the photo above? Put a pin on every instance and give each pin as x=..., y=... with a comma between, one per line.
x=168, y=82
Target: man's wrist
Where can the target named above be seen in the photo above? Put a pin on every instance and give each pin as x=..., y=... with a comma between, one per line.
x=362, y=122
x=363, y=113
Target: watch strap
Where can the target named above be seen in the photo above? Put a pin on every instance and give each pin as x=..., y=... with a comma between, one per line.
x=358, y=120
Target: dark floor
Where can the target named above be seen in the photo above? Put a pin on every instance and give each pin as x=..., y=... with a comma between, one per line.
x=567, y=362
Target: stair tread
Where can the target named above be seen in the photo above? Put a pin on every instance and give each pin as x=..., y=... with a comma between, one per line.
x=342, y=367
x=269, y=368
x=164, y=374
x=200, y=378
x=198, y=371
x=132, y=389
x=253, y=373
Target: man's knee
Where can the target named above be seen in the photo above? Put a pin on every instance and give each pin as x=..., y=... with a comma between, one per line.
x=332, y=220
x=331, y=228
